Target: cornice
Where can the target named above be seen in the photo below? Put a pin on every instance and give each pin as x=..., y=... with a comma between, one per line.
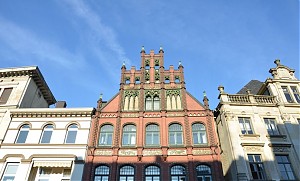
x=35, y=74
x=51, y=112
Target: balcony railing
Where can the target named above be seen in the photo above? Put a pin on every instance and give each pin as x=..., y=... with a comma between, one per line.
x=248, y=99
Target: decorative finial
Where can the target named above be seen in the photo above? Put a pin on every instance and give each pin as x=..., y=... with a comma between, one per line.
x=100, y=96
x=143, y=49
x=179, y=62
x=123, y=63
x=277, y=62
x=221, y=89
x=204, y=93
x=161, y=49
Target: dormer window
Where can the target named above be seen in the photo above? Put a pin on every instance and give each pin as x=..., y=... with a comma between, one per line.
x=287, y=94
x=4, y=94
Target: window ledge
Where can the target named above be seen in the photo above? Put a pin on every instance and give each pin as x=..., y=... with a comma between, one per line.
x=200, y=145
x=176, y=146
x=277, y=137
x=152, y=146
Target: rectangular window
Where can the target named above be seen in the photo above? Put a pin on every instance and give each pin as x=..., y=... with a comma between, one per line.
x=296, y=93
x=287, y=94
x=245, y=125
x=4, y=95
x=256, y=167
x=10, y=172
x=284, y=166
x=271, y=126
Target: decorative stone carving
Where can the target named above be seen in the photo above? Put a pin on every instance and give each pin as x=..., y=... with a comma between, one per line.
x=152, y=93
x=130, y=115
x=281, y=149
x=173, y=92
x=174, y=114
x=128, y=152
x=103, y=152
x=130, y=93
x=201, y=152
x=177, y=152
x=253, y=148
x=152, y=152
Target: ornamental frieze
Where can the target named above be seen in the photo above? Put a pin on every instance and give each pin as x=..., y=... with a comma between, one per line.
x=127, y=152
x=173, y=92
x=108, y=115
x=177, y=152
x=103, y=152
x=152, y=152
x=281, y=149
x=174, y=114
x=130, y=115
x=152, y=93
x=253, y=148
x=130, y=93
x=201, y=152
x=151, y=115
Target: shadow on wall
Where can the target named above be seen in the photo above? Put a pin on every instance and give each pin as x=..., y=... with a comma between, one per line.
x=277, y=159
x=155, y=168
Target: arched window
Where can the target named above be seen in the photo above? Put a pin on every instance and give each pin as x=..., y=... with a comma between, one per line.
x=46, y=134
x=204, y=173
x=101, y=173
x=23, y=133
x=178, y=173
x=156, y=102
x=71, y=134
x=129, y=135
x=106, y=135
x=175, y=134
x=148, y=103
x=152, y=173
x=152, y=135
x=199, y=134
x=126, y=173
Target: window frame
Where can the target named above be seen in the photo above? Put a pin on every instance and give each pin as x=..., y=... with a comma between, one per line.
x=272, y=129
x=152, y=133
x=255, y=165
x=246, y=121
x=4, y=97
x=22, y=131
x=69, y=130
x=105, y=134
x=285, y=163
x=10, y=175
x=176, y=135
x=200, y=168
x=199, y=133
x=153, y=173
x=295, y=93
x=129, y=135
x=127, y=175
x=287, y=94
x=102, y=173
x=176, y=174
x=45, y=129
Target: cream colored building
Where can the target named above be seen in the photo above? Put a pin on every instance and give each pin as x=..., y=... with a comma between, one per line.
x=259, y=132
x=37, y=142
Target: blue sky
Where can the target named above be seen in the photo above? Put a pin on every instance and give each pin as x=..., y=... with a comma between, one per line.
x=80, y=45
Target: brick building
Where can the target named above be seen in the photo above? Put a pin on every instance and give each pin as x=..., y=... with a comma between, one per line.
x=153, y=129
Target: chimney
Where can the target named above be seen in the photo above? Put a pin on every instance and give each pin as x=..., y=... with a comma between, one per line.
x=61, y=104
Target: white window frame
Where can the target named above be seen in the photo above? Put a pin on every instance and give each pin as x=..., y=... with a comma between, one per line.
x=8, y=174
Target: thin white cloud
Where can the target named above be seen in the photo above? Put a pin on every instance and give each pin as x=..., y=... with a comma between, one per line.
x=104, y=34
x=24, y=42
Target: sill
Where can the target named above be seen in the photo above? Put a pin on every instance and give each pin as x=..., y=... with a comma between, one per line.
x=249, y=135
x=176, y=146
x=200, y=145
x=104, y=146
x=276, y=136
x=152, y=146
x=128, y=146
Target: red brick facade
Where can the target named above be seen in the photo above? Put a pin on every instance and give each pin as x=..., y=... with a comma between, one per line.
x=153, y=129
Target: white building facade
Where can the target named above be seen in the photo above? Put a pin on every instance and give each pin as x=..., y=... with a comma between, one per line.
x=259, y=134
x=38, y=143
